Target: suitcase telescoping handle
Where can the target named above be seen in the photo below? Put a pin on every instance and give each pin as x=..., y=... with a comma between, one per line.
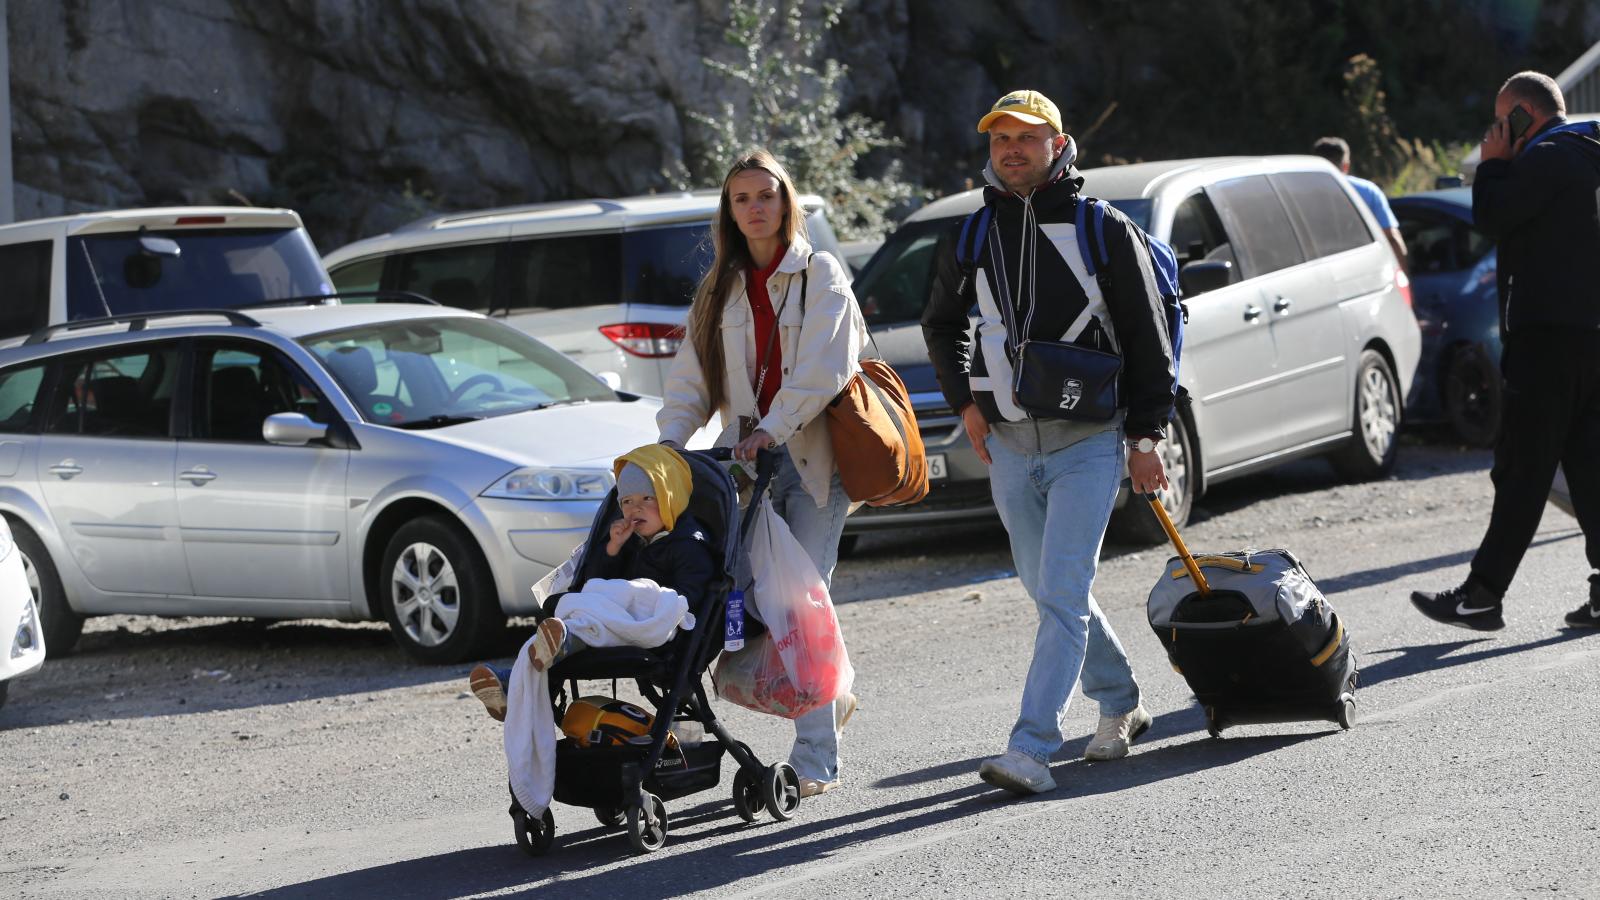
x=1177, y=541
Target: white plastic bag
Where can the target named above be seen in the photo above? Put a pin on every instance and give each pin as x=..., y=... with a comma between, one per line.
x=800, y=664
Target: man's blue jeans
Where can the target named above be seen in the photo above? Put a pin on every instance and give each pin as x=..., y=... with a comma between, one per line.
x=1055, y=507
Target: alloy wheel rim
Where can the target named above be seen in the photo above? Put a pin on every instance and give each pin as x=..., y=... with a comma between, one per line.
x=1379, y=412
x=1175, y=459
x=32, y=575
x=427, y=594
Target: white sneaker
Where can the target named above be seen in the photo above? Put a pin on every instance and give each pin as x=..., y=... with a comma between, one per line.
x=1018, y=773
x=1115, y=733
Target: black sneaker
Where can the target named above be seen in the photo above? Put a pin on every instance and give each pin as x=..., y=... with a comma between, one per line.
x=1585, y=616
x=1468, y=606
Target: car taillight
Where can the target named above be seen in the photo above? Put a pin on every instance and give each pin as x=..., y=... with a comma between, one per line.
x=201, y=220
x=1403, y=284
x=647, y=339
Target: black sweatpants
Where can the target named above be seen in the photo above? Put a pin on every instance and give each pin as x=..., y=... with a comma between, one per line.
x=1552, y=415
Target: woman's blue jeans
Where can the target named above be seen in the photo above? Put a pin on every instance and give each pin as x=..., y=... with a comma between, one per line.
x=815, y=753
x=1055, y=507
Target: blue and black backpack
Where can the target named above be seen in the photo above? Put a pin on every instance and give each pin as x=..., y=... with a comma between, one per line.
x=1092, y=245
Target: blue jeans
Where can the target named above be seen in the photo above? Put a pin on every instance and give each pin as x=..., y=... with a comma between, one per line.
x=815, y=753
x=1055, y=507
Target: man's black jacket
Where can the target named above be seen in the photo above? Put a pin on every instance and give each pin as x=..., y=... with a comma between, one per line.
x=1543, y=209
x=1134, y=304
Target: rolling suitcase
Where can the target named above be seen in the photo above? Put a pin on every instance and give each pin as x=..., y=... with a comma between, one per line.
x=1253, y=636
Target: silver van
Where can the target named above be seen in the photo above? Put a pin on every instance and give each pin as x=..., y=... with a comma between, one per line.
x=1301, y=340
x=131, y=261
x=606, y=282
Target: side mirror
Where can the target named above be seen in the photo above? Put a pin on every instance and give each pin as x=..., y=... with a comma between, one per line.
x=292, y=429
x=1205, y=275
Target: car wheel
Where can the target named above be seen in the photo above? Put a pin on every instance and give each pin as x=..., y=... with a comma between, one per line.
x=1136, y=522
x=1370, y=453
x=57, y=622
x=847, y=545
x=1472, y=396
x=437, y=592
x=5, y=688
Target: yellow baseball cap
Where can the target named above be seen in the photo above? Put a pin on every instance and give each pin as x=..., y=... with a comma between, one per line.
x=1029, y=106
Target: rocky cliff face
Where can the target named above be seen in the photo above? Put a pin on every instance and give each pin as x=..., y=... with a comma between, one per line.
x=364, y=113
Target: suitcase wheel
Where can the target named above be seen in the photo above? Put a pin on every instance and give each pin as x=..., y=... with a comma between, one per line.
x=1347, y=711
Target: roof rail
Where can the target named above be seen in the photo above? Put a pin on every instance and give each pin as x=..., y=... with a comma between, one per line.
x=323, y=299
x=137, y=322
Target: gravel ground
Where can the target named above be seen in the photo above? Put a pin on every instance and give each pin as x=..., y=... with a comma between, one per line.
x=216, y=757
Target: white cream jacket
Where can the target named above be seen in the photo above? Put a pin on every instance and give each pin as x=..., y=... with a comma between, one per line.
x=821, y=340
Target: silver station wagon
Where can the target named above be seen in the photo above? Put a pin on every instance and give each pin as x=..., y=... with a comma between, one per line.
x=413, y=463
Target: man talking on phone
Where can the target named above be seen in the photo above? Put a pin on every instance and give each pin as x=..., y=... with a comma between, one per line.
x=1537, y=193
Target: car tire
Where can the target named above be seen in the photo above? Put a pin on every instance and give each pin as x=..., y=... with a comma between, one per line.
x=60, y=626
x=847, y=545
x=438, y=593
x=5, y=688
x=1136, y=522
x=1473, y=396
x=1370, y=453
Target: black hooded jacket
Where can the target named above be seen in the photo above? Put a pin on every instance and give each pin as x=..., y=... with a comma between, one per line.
x=682, y=561
x=1543, y=209
x=1049, y=296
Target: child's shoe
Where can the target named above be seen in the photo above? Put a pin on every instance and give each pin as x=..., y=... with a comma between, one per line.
x=547, y=643
x=486, y=687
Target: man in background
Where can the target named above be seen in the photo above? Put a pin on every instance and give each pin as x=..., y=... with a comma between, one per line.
x=1337, y=151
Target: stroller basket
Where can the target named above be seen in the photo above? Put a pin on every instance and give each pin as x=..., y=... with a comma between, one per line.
x=593, y=776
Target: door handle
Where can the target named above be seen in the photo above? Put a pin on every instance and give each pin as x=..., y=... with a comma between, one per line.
x=1282, y=305
x=198, y=476
x=1252, y=313
x=66, y=469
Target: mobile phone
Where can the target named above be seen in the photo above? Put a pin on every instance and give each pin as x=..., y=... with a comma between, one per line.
x=1518, y=122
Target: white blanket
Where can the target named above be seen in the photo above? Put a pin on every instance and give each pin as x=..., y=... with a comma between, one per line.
x=608, y=612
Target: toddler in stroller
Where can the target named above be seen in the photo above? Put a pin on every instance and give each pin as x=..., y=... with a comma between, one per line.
x=629, y=781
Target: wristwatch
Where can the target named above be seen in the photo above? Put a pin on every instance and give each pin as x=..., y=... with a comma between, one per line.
x=1144, y=444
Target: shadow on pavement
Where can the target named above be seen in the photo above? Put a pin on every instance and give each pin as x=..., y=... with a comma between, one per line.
x=1387, y=574
x=179, y=669
x=1433, y=657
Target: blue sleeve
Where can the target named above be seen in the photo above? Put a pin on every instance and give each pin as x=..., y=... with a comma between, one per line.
x=1379, y=204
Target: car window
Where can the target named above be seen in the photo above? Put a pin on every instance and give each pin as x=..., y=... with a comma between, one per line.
x=121, y=395
x=114, y=274
x=365, y=275
x=462, y=277
x=894, y=286
x=1198, y=235
x=25, y=289
x=237, y=386
x=423, y=373
x=1263, y=235
x=654, y=266
x=19, y=390
x=1323, y=212
x=1439, y=242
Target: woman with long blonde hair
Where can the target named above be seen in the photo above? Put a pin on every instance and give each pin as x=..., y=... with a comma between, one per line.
x=774, y=334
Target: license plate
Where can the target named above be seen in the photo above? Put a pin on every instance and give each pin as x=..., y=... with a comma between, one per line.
x=936, y=469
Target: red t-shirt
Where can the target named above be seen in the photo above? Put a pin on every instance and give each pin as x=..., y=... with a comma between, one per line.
x=765, y=319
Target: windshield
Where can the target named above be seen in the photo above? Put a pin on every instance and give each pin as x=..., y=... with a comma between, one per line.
x=117, y=274
x=425, y=373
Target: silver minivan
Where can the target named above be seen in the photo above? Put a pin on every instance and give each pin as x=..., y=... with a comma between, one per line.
x=606, y=282
x=1300, y=340
x=127, y=261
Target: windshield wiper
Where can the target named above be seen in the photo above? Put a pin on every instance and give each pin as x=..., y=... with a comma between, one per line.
x=436, y=422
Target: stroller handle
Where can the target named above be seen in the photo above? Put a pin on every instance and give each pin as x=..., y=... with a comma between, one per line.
x=766, y=460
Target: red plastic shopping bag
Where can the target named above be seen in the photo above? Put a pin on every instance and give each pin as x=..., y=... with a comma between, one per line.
x=800, y=663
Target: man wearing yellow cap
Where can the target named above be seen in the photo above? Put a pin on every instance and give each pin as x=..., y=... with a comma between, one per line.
x=1054, y=479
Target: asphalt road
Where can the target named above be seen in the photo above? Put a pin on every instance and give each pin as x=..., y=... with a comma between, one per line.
x=210, y=757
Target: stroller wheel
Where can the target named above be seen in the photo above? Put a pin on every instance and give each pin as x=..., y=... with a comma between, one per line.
x=610, y=818
x=1347, y=712
x=644, y=836
x=782, y=790
x=1214, y=721
x=747, y=795
x=534, y=836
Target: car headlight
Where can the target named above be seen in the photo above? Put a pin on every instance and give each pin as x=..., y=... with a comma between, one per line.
x=553, y=484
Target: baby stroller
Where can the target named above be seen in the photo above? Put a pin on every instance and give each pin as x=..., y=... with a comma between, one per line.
x=630, y=783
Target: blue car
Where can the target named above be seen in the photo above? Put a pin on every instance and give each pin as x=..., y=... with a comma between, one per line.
x=1456, y=303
